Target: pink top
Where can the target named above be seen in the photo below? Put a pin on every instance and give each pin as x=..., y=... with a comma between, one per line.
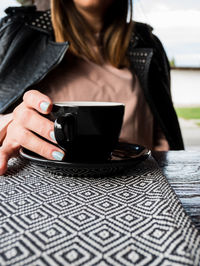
x=77, y=79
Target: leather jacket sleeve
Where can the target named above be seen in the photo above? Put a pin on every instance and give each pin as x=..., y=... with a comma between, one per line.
x=160, y=93
x=157, y=88
x=27, y=54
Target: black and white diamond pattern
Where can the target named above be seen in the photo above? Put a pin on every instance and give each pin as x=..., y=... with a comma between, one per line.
x=47, y=218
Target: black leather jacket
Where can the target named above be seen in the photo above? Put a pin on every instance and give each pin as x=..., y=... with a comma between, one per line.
x=28, y=52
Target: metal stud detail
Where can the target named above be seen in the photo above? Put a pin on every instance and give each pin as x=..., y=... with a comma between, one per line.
x=43, y=21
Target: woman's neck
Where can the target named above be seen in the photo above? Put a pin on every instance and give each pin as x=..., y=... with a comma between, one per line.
x=95, y=21
x=93, y=16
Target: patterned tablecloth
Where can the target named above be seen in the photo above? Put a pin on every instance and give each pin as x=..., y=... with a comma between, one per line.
x=47, y=218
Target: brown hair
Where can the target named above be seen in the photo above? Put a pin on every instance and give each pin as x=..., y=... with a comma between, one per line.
x=114, y=38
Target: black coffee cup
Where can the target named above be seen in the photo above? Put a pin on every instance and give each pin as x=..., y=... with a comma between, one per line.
x=87, y=131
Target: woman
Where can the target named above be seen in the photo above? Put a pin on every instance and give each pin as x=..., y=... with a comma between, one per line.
x=108, y=60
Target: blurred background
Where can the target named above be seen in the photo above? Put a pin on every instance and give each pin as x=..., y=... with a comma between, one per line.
x=177, y=24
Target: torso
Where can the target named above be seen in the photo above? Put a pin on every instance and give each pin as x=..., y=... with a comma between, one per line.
x=76, y=79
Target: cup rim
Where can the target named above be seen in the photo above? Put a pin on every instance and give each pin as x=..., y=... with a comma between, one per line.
x=88, y=103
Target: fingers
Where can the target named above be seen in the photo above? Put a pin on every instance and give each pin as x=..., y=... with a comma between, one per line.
x=3, y=162
x=40, y=102
x=27, y=121
x=30, y=141
x=18, y=136
x=5, y=120
x=32, y=120
x=6, y=152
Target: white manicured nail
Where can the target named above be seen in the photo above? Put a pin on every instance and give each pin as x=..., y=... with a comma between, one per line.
x=58, y=155
x=52, y=135
x=44, y=106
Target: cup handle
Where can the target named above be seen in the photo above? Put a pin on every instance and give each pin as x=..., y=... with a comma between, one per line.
x=65, y=128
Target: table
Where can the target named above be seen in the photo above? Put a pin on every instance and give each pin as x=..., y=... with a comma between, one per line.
x=182, y=169
x=47, y=218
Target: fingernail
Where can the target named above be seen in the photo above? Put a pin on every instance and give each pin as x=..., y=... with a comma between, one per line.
x=52, y=135
x=58, y=155
x=44, y=106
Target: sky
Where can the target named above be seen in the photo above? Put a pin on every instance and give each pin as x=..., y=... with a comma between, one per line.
x=175, y=22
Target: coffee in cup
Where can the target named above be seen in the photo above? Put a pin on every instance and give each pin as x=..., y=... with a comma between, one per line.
x=87, y=131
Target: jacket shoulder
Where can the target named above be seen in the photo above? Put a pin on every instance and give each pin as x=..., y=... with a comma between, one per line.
x=142, y=27
x=28, y=15
x=14, y=11
x=144, y=37
x=142, y=30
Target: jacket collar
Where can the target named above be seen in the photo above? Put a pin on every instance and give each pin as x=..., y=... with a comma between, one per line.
x=41, y=21
x=140, y=58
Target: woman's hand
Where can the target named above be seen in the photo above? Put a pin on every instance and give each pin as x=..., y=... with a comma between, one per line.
x=27, y=121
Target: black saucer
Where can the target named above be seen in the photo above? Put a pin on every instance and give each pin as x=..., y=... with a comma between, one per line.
x=123, y=158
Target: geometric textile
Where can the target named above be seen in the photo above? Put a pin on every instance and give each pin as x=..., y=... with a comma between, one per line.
x=47, y=218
